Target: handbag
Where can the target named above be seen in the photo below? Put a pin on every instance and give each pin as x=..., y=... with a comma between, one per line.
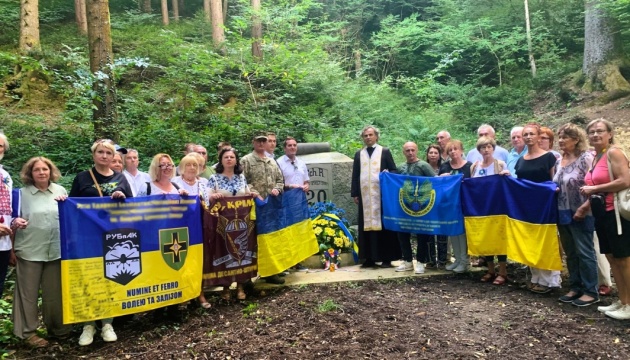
x=621, y=198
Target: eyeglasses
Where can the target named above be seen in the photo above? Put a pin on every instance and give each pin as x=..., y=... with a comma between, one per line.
x=598, y=132
x=166, y=166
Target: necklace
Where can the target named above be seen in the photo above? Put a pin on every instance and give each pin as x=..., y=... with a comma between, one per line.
x=189, y=182
x=596, y=160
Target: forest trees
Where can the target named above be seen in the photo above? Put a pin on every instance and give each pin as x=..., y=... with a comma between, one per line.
x=217, y=22
x=29, y=26
x=81, y=16
x=104, y=115
x=603, y=51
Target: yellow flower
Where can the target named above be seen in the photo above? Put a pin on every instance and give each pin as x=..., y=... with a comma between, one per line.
x=346, y=242
x=338, y=242
x=329, y=231
x=317, y=230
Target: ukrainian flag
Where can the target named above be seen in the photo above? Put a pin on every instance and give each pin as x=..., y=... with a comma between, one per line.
x=285, y=232
x=514, y=217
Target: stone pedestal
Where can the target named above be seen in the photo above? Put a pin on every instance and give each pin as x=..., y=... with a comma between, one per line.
x=331, y=174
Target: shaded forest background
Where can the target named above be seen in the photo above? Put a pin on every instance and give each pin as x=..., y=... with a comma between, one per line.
x=328, y=67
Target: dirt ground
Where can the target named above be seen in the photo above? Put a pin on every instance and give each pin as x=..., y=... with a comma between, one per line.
x=445, y=317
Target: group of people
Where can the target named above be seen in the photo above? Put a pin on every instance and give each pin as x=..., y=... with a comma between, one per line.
x=587, y=170
x=29, y=235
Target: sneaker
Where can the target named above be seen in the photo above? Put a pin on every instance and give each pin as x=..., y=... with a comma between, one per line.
x=419, y=268
x=612, y=307
x=405, y=266
x=87, y=336
x=462, y=267
x=452, y=266
x=623, y=313
x=107, y=333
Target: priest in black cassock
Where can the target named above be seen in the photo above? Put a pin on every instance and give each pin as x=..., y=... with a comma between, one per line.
x=376, y=245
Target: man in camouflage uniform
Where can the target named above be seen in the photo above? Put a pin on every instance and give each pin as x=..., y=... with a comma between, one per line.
x=264, y=177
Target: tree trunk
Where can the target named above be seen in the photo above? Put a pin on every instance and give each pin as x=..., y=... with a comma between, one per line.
x=104, y=115
x=256, y=29
x=603, y=55
x=182, y=7
x=29, y=26
x=225, y=8
x=175, y=6
x=218, y=36
x=532, y=62
x=206, y=10
x=146, y=6
x=79, y=11
x=357, y=63
x=164, y=12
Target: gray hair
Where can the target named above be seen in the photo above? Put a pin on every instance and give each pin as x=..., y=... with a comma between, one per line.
x=486, y=126
x=376, y=130
x=516, y=129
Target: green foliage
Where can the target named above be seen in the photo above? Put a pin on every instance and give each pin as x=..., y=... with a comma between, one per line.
x=250, y=309
x=328, y=305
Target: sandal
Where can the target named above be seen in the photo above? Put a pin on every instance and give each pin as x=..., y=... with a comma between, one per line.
x=36, y=342
x=541, y=289
x=488, y=277
x=240, y=293
x=205, y=305
x=500, y=280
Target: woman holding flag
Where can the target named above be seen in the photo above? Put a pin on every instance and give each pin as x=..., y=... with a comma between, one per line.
x=537, y=165
x=457, y=165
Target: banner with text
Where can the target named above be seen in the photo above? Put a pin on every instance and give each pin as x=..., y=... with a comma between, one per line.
x=422, y=205
x=124, y=257
x=230, y=246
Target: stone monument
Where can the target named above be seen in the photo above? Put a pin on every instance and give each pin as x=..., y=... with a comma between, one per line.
x=330, y=173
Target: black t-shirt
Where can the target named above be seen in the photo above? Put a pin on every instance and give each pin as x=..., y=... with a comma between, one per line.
x=446, y=168
x=83, y=185
x=536, y=170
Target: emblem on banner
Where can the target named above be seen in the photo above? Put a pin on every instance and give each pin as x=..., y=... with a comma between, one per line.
x=416, y=199
x=122, y=255
x=236, y=234
x=174, y=245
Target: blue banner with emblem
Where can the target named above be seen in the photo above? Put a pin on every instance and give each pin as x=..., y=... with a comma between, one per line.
x=422, y=205
x=124, y=257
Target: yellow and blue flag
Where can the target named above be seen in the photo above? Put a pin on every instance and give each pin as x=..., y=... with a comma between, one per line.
x=513, y=217
x=285, y=232
x=124, y=257
x=422, y=205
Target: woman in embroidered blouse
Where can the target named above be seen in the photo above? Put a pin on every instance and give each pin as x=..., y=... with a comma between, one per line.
x=38, y=253
x=575, y=222
x=598, y=182
x=228, y=181
x=189, y=176
x=457, y=165
x=538, y=165
x=490, y=166
x=161, y=171
x=100, y=181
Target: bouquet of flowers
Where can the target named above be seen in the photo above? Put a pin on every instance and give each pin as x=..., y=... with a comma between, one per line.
x=331, y=231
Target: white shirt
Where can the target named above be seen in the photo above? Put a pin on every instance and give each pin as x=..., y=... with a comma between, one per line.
x=136, y=182
x=295, y=172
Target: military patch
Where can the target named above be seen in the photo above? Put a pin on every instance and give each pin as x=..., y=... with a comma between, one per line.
x=174, y=245
x=121, y=249
x=415, y=199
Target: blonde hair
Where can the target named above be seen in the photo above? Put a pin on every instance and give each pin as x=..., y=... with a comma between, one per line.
x=106, y=143
x=485, y=140
x=576, y=133
x=190, y=159
x=154, y=168
x=454, y=144
x=606, y=123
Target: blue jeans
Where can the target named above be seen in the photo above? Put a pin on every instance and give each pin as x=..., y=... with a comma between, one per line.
x=577, y=243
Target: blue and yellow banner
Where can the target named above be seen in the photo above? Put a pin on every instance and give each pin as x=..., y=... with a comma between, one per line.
x=422, y=205
x=513, y=217
x=124, y=257
x=285, y=232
